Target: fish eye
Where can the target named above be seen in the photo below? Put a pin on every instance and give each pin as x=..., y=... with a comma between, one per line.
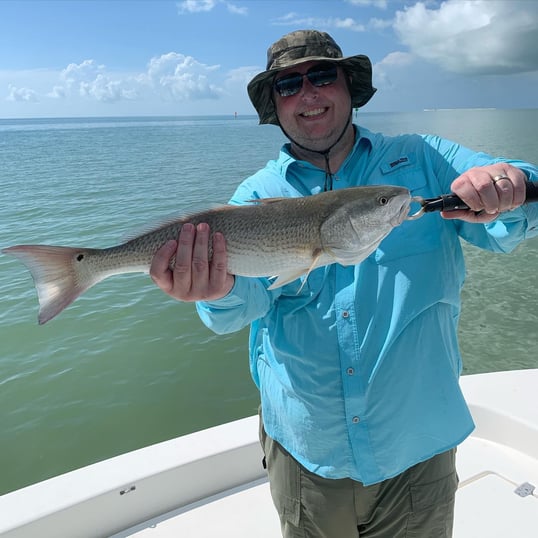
x=383, y=200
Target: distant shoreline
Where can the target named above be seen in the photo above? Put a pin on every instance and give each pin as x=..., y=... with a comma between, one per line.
x=232, y=116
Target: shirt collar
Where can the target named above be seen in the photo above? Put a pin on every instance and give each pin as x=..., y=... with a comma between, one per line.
x=285, y=159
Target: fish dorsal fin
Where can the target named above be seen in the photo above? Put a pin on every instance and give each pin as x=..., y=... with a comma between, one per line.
x=172, y=218
x=147, y=228
x=267, y=200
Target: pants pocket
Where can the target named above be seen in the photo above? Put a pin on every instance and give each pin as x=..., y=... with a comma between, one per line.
x=284, y=480
x=434, y=482
x=432, y=499
x=441, y=491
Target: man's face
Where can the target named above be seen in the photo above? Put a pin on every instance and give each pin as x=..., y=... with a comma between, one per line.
x=316, y=115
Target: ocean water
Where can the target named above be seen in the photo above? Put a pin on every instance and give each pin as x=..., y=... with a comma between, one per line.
x=125, y=366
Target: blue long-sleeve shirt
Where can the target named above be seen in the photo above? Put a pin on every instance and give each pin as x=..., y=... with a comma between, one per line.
x=358, y=372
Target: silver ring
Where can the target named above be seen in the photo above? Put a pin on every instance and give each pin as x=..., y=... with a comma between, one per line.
x=498, y=178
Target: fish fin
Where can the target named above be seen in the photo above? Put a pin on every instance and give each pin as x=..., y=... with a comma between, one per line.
x=179, y=219
x=267, y=200
x=289, y=276
x=150, y=227
x=167, y=220
x=316, y=257
x=57, y=278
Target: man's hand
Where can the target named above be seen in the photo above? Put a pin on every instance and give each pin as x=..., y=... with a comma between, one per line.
x=193, y=278
x=488, y=191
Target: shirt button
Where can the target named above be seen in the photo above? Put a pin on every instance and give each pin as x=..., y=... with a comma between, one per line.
x=350, y=371
x=345, y=314
x=355, y=420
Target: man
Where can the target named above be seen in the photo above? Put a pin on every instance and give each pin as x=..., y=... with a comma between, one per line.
x=358, y=366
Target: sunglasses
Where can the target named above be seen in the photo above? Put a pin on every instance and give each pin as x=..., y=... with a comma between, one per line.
x=318, y=75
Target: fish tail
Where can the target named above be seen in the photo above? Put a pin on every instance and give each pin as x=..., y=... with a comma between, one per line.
x=59, y=275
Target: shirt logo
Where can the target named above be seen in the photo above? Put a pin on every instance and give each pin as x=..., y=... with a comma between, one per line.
x=401, y=160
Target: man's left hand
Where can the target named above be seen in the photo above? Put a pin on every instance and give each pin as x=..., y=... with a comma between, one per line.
x=488, y=191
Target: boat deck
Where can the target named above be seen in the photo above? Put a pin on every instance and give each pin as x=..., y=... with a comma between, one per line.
x=487, y=504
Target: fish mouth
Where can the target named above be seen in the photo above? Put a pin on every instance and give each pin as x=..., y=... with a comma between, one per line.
x=405, y=200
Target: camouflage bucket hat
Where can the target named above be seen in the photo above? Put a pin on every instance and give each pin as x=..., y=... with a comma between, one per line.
x=304, y=46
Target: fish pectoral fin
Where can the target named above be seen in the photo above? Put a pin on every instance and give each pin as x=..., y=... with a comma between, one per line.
x=289, y=276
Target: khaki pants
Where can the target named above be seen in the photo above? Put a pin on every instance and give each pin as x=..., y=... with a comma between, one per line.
x=419, y=503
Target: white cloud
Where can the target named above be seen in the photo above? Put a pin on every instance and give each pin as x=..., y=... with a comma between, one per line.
x=380, y=24
x=21, y=94
x=389, y=69
x=397, y=58
x=239, y=78
x=58, y=92
x=180, y=77
x=236, y=10
x=90, y=80
x=106, y=90
x=347, y=23
x=204, y=6
x=293, y=19
x=86, y=71
x=196, y=6
x=382, y=4
x=473, y=36
x=169, y=77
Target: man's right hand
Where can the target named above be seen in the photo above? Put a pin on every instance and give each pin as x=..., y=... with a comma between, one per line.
x=194, y=277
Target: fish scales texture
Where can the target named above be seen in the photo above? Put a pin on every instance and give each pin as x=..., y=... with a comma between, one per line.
x=284, y=238
x=261, y=239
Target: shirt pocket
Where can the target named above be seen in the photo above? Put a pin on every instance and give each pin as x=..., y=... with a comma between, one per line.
x=410, y=238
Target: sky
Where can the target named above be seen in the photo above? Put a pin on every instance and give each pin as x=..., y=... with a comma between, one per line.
x=74, y=58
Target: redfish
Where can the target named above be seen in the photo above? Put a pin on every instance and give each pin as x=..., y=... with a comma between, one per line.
x=277, y=237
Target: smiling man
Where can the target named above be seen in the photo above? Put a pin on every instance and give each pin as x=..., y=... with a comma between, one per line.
x=357, y=366
x=316, y=122
x=312, y=100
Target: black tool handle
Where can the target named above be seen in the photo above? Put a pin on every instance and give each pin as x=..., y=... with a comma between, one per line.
x=452, y=202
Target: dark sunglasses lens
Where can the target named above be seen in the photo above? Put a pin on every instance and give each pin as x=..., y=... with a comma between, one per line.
x=289, y=85
x=318, y=76
x=322, y=77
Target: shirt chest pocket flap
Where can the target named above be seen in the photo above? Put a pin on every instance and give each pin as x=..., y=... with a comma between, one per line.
x=411, y=237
